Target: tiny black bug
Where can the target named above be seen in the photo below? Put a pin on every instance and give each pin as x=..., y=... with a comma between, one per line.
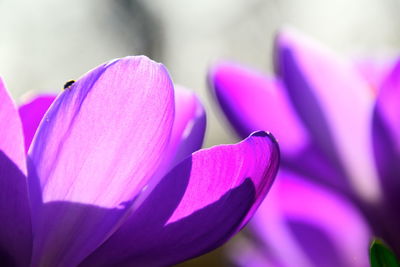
x=68, y=84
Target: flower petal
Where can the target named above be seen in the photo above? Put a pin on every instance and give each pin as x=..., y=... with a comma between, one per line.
x=15, y=223
x=386, y=140
x=248, y=254
x=375, y=72
x=11, y=136
x=199, y=205
x=335, y=104
x=187, y=133
x=189, y=125
x=251, y=101
x=307, y=224
x=31, y=114
x=99, y=143
x=387, y=114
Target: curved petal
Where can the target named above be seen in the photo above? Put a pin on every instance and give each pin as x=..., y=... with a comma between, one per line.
x=307, y=224
x=31, y=114
x=189, y=125
x=15, y=222
x=387, y=112
x=187, y=133
x=11, y=136
x=200, y=204
x=252, y=101
x=99, y=143
x=334, y=103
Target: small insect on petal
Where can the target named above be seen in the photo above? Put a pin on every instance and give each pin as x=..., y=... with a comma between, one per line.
x=68, y=84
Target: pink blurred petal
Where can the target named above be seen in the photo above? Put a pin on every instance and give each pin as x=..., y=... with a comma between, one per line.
x=247, y=253
x=374, y=72
x=97, y=146
x=31, y=114
x=387, y=105
x=386, y=140
x=200, y=204
x=307, y=224
x=15, y=222
x=334, y=103
x=252, y=101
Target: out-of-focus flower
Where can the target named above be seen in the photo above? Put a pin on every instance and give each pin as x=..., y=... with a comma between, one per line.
x=339, y=135
x=110, y=178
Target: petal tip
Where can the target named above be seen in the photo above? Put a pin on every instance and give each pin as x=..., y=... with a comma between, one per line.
x=264, y=134
x=138, y=59
x=260, y=133
x=287, y=35
x=219, y=67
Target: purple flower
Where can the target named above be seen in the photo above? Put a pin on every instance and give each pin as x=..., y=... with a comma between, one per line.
x=109, y=179
x=340, y=140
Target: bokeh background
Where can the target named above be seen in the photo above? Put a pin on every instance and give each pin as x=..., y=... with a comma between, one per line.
x=44, y=43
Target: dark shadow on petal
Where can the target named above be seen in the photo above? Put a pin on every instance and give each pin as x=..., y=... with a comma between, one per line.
x=6, y=259
x=199, y=232
x=387, y=159
x=385, y=219
x=15, y=222
x=72, y=230
x=147, y=239
x=71, y=233
x=145, y=226
x=35, y=191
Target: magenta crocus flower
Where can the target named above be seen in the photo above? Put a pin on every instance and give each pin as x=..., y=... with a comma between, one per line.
x=339, y=136
x=110, y=178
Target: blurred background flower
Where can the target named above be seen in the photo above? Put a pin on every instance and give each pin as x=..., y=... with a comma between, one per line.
x=45, y=43
x=338, y=138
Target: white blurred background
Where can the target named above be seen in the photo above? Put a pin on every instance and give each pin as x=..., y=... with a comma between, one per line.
x=44, y=43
